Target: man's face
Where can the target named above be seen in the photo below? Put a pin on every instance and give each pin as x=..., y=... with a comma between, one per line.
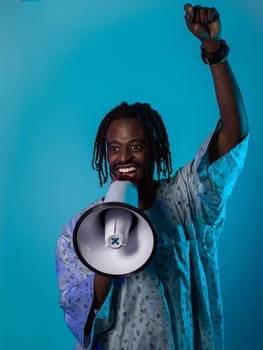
x=128, y=150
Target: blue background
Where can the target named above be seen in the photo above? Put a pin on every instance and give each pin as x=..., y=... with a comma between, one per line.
x=63, y=65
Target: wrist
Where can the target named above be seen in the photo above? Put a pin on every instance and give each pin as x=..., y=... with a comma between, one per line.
x=210, y=45
x=214, y=53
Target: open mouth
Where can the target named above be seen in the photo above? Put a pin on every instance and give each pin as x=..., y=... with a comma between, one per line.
x=129, y=170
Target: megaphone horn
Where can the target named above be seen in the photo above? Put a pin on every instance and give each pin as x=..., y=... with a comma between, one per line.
x=115, y=238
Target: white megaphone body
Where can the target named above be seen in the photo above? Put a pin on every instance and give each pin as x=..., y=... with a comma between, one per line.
x=115, y=238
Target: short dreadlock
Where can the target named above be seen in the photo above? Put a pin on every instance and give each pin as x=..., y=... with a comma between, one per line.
x=154, y=128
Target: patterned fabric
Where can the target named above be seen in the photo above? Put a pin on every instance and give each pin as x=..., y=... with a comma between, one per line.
x=175, y=302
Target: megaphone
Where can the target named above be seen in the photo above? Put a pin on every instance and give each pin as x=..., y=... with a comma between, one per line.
x=115, y=238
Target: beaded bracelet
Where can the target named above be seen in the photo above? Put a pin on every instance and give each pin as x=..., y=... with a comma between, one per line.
x=217, y=57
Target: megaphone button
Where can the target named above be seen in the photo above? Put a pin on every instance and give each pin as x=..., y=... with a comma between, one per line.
x=115, y=241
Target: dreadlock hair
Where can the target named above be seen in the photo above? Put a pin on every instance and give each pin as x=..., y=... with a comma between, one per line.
x=154, y=129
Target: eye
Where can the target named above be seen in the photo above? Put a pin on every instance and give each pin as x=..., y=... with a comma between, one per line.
x=114, y=148
x=136, y=147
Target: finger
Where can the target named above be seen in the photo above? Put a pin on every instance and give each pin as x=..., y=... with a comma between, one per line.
x=196, y=14
x=188, y=12
x=204, y=15
x=212, y=15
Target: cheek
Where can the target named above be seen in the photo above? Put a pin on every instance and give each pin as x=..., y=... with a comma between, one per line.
x=111, y=160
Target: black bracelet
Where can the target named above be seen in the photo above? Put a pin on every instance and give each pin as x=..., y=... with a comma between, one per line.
x=216, y=57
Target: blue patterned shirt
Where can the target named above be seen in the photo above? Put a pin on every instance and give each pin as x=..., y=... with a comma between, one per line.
x=175, y=302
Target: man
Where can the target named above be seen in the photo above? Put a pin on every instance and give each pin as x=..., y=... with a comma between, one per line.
x=175, y=302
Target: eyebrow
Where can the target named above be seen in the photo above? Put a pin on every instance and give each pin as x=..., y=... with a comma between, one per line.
x=131, y=141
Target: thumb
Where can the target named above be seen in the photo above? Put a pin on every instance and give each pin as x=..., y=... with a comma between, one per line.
x=188, y=12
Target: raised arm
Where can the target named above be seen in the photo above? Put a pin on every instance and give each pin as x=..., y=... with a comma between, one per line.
x=205, y=24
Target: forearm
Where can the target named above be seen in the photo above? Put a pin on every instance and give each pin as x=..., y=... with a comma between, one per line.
x=101, y=289
x=229, y=98
x=230, y=102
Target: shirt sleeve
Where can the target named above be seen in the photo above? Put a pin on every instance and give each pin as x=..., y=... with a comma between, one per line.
x=210, y=186
x=76, y=285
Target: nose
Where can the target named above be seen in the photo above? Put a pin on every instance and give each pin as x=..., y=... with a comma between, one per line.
x=124, y=155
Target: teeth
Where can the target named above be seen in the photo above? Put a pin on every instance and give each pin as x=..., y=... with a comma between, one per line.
x=127, y=170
